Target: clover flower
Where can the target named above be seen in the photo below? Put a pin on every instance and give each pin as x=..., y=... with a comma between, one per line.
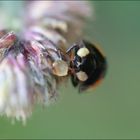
x=16, y=88
x=33, y=62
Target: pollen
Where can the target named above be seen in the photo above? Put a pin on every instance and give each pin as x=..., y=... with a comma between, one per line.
x=82, y=76
x=60, y=68
x=82, y=52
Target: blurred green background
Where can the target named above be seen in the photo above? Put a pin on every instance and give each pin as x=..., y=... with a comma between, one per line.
x=113, y=109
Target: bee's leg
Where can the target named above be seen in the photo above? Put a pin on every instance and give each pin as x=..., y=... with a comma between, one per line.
x=71, y=48
x=74, y=80
x=59, y=54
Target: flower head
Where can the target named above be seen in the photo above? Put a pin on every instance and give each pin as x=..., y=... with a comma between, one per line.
x=16, y=94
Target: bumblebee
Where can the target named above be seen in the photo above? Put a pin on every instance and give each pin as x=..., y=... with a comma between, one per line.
x=88, y=65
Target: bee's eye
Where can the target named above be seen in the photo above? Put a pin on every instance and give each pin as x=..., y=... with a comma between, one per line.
x=82, y=76
x=82, y=52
